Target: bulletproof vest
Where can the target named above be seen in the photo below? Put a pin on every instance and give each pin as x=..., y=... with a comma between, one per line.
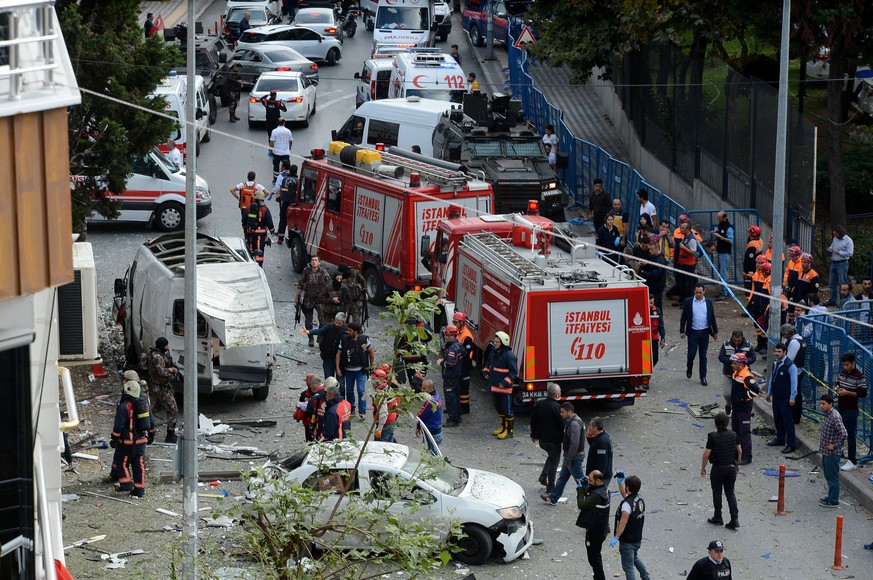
x=633, y=531
x=721, y=246
x=800, y=357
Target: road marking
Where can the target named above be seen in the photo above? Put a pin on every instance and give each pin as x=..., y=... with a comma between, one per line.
x=337, y=100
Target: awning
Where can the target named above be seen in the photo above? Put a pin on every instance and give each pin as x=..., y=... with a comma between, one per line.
x=236, y=299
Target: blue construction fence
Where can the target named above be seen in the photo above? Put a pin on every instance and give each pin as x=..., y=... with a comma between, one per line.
x=587, y=162
x=827, y=337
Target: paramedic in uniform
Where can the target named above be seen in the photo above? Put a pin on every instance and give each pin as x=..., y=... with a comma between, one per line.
x=501, y=370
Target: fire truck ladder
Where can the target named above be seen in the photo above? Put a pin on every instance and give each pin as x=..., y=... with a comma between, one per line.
x=432, y=173
x=508, y=261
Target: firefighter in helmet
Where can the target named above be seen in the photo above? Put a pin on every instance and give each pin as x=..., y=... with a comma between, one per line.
x=501, y=370
x=384, y=407
x=258, y=221
x=451, y=365
x=468, y=341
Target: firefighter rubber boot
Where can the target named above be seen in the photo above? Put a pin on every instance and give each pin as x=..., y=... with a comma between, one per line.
x=510, y=422
x=502, y=428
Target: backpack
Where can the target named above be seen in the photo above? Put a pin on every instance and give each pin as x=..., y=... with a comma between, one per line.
x=247, y=194
x=255, y=215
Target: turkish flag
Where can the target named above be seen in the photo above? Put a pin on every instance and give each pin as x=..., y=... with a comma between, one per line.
x=158, y=25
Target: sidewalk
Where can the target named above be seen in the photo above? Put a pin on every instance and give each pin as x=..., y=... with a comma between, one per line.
x=587, y=118
x=174, y=11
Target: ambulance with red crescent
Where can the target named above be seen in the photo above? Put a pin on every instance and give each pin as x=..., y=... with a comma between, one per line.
x=369, y=209
x=427, y=73
x=574, y=318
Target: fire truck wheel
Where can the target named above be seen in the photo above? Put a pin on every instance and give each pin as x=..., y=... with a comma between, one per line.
x=375, y=286
x=298, y=255
x=475, y=547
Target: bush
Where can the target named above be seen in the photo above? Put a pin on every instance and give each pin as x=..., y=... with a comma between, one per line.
x=858, y=168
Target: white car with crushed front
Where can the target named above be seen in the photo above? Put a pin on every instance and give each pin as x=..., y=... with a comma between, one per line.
x=491, y=509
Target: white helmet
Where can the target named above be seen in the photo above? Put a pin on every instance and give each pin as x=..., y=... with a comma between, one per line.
x=330, y=382
x=504, y=338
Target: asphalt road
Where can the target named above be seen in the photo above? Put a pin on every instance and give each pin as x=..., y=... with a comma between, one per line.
x=655, y=439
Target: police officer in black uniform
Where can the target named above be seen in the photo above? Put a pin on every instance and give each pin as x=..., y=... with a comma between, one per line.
x=629, y=520
x=714, y=567
x=723, y=450
x=592, y=498
x=274, y=109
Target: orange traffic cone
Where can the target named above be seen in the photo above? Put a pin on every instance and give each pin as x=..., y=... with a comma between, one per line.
x=99, y=372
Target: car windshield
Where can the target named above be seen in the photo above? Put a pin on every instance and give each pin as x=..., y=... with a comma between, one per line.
x=403, y=17
x=259, y=17
x=438, y=473
x=501, y=148
x=168, y=166
x=281, y=85
x=314, y=18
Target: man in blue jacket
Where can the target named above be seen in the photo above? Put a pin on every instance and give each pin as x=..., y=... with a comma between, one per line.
x=698, y=323
x=782, y=393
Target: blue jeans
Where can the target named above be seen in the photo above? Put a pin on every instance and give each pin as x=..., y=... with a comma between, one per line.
x=698, y=342
x=783, y=416
x=850, y=420
x=831, y=467
x=453, y=403
x=839, y=275
x=353, y=379
x=387, y=434
x=575, y=470
x=328, y=365
x=724, y=266
x=630, y=559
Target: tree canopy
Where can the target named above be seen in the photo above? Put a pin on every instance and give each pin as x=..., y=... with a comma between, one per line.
x=111, y=56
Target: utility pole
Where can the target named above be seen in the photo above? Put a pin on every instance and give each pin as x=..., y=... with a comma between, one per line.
x=490, y=30
x=189, y=437
x=779, y=181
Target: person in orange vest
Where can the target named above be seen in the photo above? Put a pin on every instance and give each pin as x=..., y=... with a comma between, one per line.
x=744, y=390
x=807, y=281
x=685, y=254
x=300, y=415
x=754, y=248
x=792, y=269
x=468, y=341
x=337, y=416
x=384, y=408
x=501, y=370
x=769, y=253
x=756, y=303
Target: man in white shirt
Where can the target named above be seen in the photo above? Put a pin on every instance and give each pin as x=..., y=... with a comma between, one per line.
x=280, y=143
x=647, y=208
x=173, y=154
x=841, y=250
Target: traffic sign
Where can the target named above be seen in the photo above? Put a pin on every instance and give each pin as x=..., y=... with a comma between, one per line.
x=526, y=37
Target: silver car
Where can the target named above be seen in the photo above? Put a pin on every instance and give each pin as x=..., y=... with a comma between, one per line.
x=321, y=20
x=309, y=43
x=258, y=59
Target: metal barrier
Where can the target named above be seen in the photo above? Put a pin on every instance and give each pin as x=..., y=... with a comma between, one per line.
x=704, y=221
x=826, y=340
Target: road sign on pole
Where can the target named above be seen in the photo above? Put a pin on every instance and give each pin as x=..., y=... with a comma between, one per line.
x=526, y=37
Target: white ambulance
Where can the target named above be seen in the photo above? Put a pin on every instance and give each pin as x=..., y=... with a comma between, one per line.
x=174, y=89
x=427, y=73
x=404, y=22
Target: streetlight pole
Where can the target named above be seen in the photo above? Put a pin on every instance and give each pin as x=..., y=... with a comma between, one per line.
x=490, y=31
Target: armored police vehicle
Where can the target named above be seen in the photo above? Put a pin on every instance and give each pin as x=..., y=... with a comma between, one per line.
x=488, y=137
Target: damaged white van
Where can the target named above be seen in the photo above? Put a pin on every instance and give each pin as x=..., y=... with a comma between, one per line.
x=236, y=323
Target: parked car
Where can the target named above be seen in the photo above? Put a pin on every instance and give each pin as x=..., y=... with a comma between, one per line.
x=210, y=62
x=260, y=59
x=321, y=20
x=492, y=509
x=273, y=5
x=261, y=16
x=442, y=16
x=297, y=91
x=309, y=43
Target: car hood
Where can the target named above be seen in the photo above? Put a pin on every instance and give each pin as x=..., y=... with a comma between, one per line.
x=493, y=489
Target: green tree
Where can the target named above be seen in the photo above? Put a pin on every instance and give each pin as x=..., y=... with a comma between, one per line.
x=845, y=27
x=299, y=531
x=111, y=56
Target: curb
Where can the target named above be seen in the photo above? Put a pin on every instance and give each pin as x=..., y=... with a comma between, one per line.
x=853, y=482
x=489, y=68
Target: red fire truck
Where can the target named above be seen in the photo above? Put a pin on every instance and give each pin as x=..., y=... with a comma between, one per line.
x=370, y=208
x=573, y=318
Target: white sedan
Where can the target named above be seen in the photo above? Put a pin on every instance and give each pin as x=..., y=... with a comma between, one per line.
x=292, y=88
x=309, y=43
x=491, y=508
